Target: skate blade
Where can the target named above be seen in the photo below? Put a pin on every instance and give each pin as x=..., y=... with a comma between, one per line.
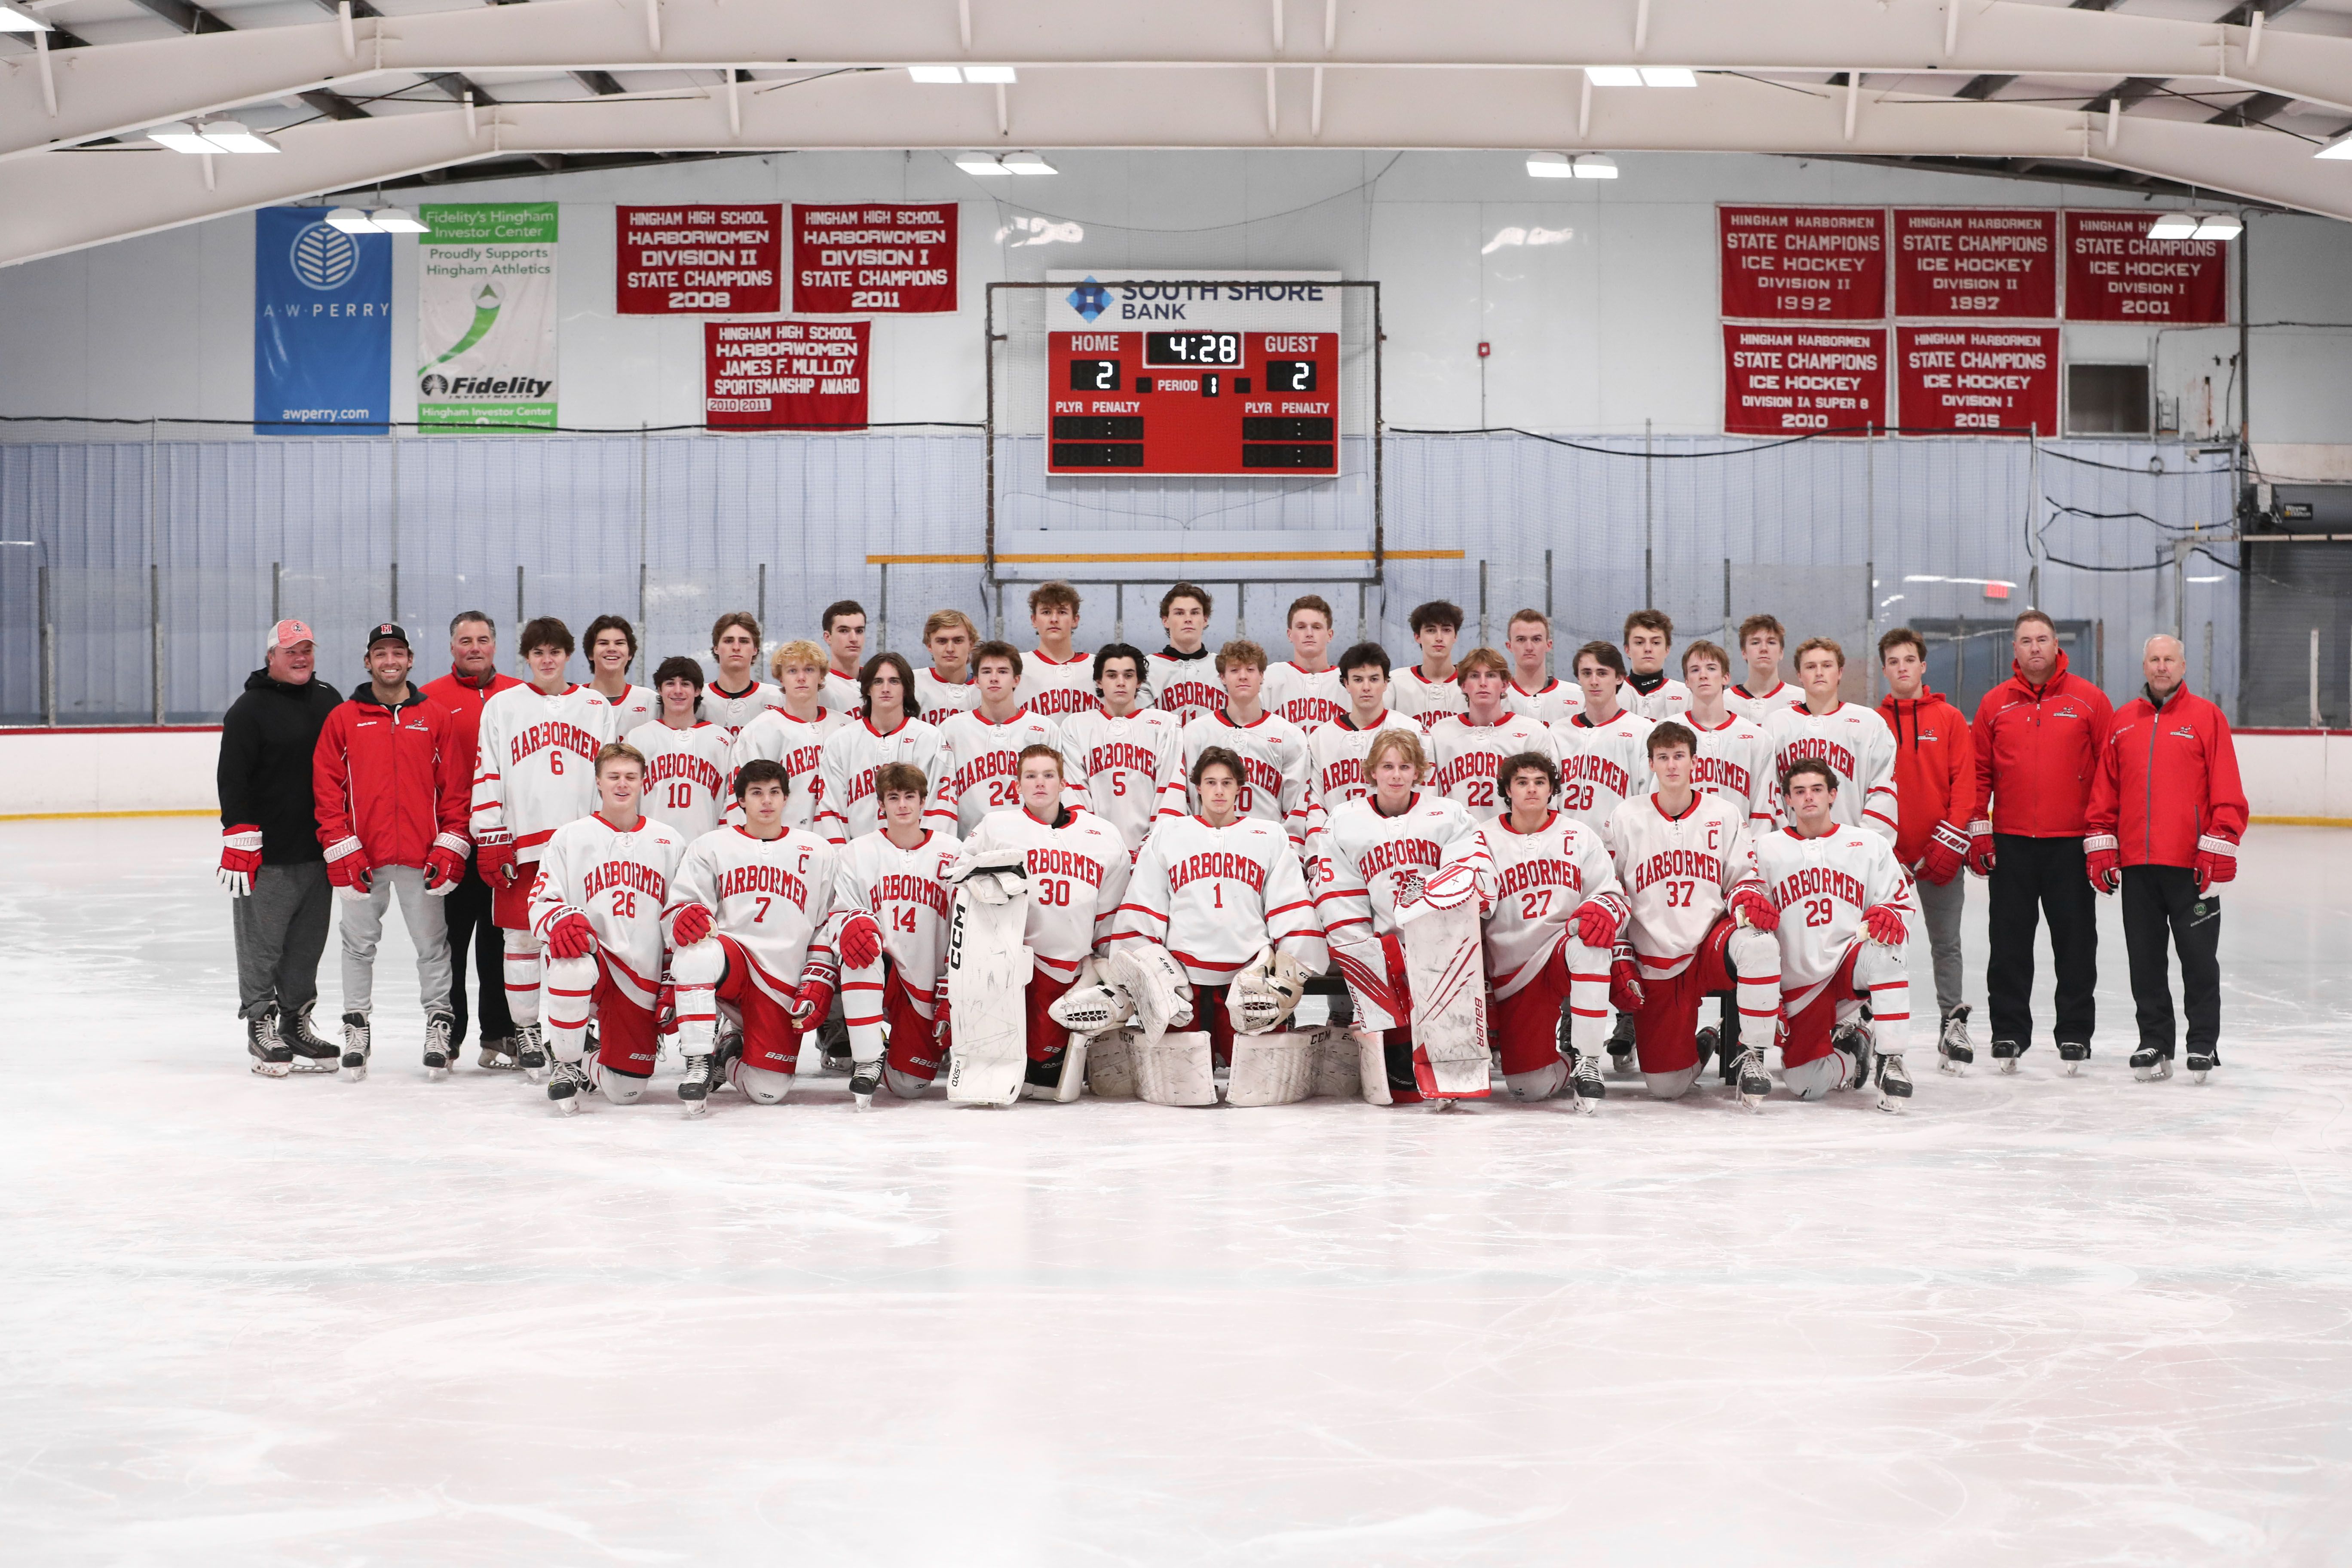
x=270, y=1069
x=355, y=1074
x=1952, y=1067
x=534, y=1075
x=2008, y=1065
x=434, y=1074
x=1587, y=1107
x=315, y=1065
x=861, y=1102
x=2197, y=1076
x=2074, y=1069
x=1892, y=1106
x=696, y=1107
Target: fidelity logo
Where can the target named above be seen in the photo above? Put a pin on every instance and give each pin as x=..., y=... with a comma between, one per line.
x=434, y=384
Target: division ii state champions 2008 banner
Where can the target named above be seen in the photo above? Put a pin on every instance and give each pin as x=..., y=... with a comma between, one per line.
x=486, y=317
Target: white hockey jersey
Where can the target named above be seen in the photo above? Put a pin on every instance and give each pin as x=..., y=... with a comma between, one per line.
x=1856, y=741
x=1737, y=761
x=1466, y=758
x=841, y=694
x=1185, y=688
x=1670, y=699
x=535, y=765
x=1541, y=879
x=1335, y=763
x=1077, y=873
x=1821, y=885
x=907, y=892
x=1055, y=690
x=1679, y=873
x=798, y=744
x=1554, y=702
x=1603, y=765
x=980, y=768
x=1425, y=701
x=734, y=711
x=1214, y=896
x=773, y=896
x=637, y=705
x=1308, y=699
x=847, y=807
x=1759, y=708
x=1123, y=767
x=622, y=882
x=937, y=699
x=1274, y=755
x=687, y=772
x=1373, y=865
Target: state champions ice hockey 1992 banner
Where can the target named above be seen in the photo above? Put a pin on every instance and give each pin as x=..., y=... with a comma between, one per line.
x=486, y=313
x=321, y=325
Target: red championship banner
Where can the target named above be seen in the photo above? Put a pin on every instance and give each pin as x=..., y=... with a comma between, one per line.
x=2115, y=273
x=886, y=260
x=1975, y=262
x=1821, y=264
x=793, y=375
x=698, y=260
x=1785, y=381
x=1977, y=378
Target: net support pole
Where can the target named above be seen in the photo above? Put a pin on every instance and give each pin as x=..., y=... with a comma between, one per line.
x=519, y=619
x=1649, y=533
x=882, y=617
x=2314, y=677
x=155, y=636
x=277, y=591
x=48, y=651
x=1547, y=609
x=762, y=606
x=1483, y=641
x=1117, y=614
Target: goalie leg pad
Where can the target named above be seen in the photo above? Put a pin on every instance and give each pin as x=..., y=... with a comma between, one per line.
x=1175, y=1069
x=988, y=972
x=1339, y=1066
x=1111, y=1064
x=1446, y=969
x=1272, y=1069
x=1162, y=992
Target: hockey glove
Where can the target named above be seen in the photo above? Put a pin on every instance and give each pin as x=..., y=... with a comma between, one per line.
x=2102, y=863
x=1749, y=907
x=1626, y=981
x=346, y=868
x=240, y=859
x=1264, y=992
x=861, y=940
x=2217, y=861
x=570, y=935
x=690, y=925
x=1596, y=924
x=445, y=865
x=1451, y=888
x=809, y=1007
x=1948, y=852
x=496, y=863
x=1981, y=848
x=1883, y=923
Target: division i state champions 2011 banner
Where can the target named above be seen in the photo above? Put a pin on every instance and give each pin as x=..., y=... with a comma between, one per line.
x=486, y=317
x=322, y=325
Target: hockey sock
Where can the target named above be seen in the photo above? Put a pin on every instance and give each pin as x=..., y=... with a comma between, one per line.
x=522, y=984
x=861, y=1008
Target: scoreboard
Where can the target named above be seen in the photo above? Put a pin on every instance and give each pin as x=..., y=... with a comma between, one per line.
x=1183, y=374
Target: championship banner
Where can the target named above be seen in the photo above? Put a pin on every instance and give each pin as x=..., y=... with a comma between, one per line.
x=784, y=375
x=1977, y=378
x=1976, y=262
x=2115, y=273
x=683, y=261
x=486, y=312
x=896, y=260
x=1823, y=264
x=322, y=325
x=1783, y=381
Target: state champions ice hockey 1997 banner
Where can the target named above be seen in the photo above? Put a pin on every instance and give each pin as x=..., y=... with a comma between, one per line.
x=321, y=325
x=486, y=317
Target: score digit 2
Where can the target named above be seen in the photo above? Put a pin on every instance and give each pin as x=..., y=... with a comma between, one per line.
x=1209, y=402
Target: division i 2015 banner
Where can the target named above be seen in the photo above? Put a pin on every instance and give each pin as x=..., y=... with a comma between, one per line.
x=486, y=317
x=321, y=325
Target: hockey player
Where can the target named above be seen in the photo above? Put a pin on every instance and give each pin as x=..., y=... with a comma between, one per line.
x=1335, y=755
x=737, y=695
x=534, y=771
x=1272, y=751
x=898, y=874
x=1935, y=787
x=1845, y=907
x=473, y=679
x=1305, y=688
x=596, y=905
x=1057, y=679
x=844, y=627
x=1550, y=932
x=687, y=759
x=1603, y=758
x=1468, y=748
x=793, y=732
x=1736, y=759
x=856, y=752
x=1649, y=634
x=612, y=647
x=1701, y=922
x=1428, y=691
x=1852, y=738
x=750, y=933
x=949, y=637
x=981, y=770
x=1536, y=691
x=1122, y=757
x=1761, y=692
x=1178, y=678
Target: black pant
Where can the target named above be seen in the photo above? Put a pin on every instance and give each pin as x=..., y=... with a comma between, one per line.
x=2161, y=902
x=2034, y=878
x=468, y=916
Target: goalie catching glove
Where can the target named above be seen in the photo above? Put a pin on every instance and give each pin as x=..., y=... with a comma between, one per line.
x=1091, y=1005
x=1264, y=992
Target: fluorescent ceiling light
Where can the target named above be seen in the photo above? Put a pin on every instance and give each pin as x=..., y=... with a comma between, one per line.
x=1668, y=76
x=2224, y=226
x=1550, y=166
x=1613, y=75
x=2340, y=148
x=980, y=163
x=935, y=74
x=2173, y=226
x=398, y=220
x=231, y=136
x=180, y=137
x=1028, y=164
x=2215, y=578
x=1000, y=75
x=15, y=19
x=1596, y=166
x=352, y=220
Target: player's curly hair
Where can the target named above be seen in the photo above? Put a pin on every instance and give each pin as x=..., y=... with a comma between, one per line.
x=1512, y=767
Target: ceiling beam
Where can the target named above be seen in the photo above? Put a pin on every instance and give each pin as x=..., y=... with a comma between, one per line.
x=192, y=19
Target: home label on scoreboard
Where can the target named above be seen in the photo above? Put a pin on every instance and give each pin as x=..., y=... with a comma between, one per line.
x=1194, y=372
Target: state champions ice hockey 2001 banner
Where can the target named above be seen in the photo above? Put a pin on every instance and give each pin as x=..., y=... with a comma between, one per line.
x=486, y=317
x=322, y=325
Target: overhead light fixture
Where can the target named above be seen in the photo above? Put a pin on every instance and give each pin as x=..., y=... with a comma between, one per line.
x=1028, y=164
x=1595, y=166
x=398, y=220
x=1550, y=166
x=945, y=75
x=1669, y=76
x=180, y=137
x=1613, y=75
x=981, y=163
x=2173, y=226
x=1641, y=76
x=2340, y=148
x=935, y=74
x=2222, y=225
x=232, y=136
x=352, y=220
x=17, y=19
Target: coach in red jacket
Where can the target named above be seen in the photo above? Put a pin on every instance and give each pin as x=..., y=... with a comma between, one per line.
x=393, y=794
x=2037, y=738
x=473, y=679
x=2167, y=812
x=1936, y=789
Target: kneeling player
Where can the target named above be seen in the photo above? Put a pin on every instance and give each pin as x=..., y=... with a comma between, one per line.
x=749, y=923
x=898, y=874
x=596, y=906
x=1550, y=935
x=1845, y=905
x=1701, y=921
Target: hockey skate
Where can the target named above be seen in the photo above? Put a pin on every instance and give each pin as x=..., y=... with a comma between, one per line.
x=568, y=1085
x=863, y=1083
x=694, y=1087
x=1585, y=1079
x=725, y=1052
x=2150, y=1064
x=311, y=1052
x=2202, y=1062
x=440, y=1056
x=2007, y=1054
x=1755, y=1083
x=1852, y=1041
x=1953, y=1051
x=271, y=1058
x=497, y=1056
x=1621, y=1047
x=357, y=1046
x=1709, y=1042
x=2073, y=1053
x=1894, y=1085
x=531, y=1053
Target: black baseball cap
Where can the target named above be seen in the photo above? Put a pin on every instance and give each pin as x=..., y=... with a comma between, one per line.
x=388, y=631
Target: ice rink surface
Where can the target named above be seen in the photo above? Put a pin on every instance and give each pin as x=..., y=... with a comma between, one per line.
x=2037, y=1321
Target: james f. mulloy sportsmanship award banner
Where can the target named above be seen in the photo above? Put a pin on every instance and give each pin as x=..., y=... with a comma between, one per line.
x=486, y=317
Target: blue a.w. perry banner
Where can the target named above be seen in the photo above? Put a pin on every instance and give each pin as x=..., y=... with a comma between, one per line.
x=322, y=325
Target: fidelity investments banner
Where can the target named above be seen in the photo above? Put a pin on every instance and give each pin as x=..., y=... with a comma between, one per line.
x=486, y=317
x=322, y=325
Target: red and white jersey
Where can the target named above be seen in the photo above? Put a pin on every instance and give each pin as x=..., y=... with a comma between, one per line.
x=1821, y=885
x=1679, y=872
x=1274, y=755
x=1554, y=702
x=1425, y=701
x=1736, y=761
x=622, y=882
x=1759, y=707
x=1466, y=757
x=1601, y=765
x=937, y=697
x=637, y=705
x=1541, y=878
x=1335, y=763
x=980, y=770
x=1122, y=767
x=535, y=765
x=1214, y=896
x=907, y=892
x=1186, y=688
x=847, y=807
x=798, y=744
x=1373, y=865
x=1055, y=690
x=773, y=896
x=1308, y=699
x=1078, y=873
x=841, y=693
x=734, y=711
x=685, y=774
x=1856, y=741
x=1670, y=699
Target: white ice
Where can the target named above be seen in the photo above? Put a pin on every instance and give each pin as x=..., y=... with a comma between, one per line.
x=2040, y=1319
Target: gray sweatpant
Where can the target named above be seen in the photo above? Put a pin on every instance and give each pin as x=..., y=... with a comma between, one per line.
x=1941, y=908
x=362, y=925
x=281, y=933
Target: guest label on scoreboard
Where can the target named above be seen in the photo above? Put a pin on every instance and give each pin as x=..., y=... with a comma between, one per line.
x=698, y=260
x=874, y=259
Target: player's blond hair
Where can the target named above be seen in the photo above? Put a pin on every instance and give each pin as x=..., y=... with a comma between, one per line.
x=1403, y=740
x=1485, y=659
x=939, y=620
x=619, y=751
x=1810, y=644
x=798, y=654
